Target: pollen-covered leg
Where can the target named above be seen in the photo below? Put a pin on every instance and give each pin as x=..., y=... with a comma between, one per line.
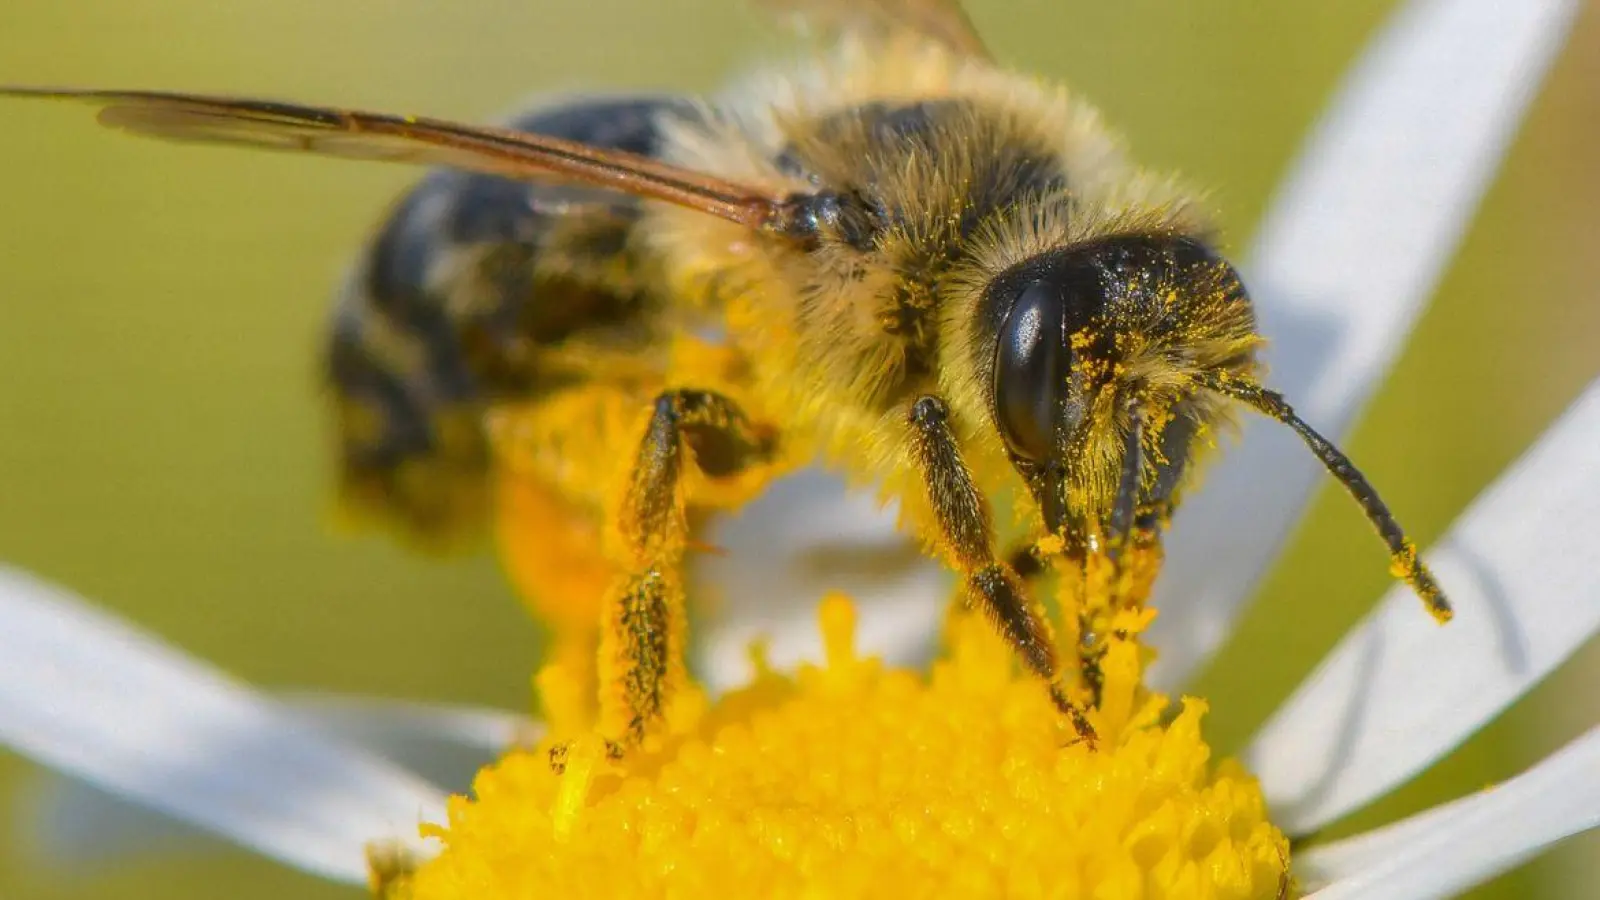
x=1096, y=588
x=964, y=522
x=641, y=653
x=643, y=628
x=1119, y=576
x=554, y=458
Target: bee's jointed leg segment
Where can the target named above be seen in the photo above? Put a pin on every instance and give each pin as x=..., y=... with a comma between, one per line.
x=642, y=640
x=963, y=519
x=1024, y=561
x=643, y=630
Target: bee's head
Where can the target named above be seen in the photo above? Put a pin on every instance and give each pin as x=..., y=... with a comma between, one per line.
x=1098, y=356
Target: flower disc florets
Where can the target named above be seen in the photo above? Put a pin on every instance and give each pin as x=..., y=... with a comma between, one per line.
x=852, y=779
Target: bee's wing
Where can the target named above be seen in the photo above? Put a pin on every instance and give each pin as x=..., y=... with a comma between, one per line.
x=941, y=21
x=381, y=136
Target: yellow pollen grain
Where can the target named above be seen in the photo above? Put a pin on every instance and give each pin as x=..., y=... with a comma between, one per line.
x=853, y=779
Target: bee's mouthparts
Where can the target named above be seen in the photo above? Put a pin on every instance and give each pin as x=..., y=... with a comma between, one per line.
x=1052, y=497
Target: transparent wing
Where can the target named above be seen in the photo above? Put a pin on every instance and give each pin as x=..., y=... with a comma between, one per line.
x=354, y=134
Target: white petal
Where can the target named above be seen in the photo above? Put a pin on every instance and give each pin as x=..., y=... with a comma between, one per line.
x=420, y=736
x=1343, y=265
x=806, y=535
x=87, y=694
x=1400, y=691
x=74, y=822
x=1450, y=848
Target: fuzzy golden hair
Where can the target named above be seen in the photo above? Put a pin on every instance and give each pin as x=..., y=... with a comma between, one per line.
x=820, y=325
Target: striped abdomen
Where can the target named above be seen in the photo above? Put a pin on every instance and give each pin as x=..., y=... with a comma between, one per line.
x=463, y=298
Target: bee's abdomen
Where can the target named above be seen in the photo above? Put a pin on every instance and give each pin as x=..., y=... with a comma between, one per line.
x=458, y=301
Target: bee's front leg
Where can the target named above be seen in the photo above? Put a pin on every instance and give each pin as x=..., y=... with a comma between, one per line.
x=643, y=630
x=964, y=522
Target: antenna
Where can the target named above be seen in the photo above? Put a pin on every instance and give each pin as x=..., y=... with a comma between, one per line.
x=1403, y=560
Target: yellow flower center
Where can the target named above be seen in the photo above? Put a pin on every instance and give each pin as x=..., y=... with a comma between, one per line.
x=853, y=779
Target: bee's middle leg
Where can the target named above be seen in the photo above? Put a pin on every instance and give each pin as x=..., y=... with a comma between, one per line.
x=642, y=643
x=964, y=521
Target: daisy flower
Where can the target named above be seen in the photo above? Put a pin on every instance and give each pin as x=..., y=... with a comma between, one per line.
x=849, y=775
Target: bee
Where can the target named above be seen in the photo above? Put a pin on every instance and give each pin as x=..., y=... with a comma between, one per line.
x=897, y=258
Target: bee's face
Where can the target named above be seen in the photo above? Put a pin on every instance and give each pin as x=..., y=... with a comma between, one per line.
x=1095, y=353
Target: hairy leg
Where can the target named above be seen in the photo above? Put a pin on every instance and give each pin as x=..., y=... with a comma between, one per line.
x=964, y=521
x=641, y=661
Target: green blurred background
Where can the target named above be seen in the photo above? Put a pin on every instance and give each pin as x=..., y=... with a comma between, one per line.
x=162, y=308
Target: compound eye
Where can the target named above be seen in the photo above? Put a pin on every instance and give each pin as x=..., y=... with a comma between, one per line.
x=1032, y=364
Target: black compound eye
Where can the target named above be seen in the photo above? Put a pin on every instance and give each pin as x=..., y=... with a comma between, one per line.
x=1032, y=363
